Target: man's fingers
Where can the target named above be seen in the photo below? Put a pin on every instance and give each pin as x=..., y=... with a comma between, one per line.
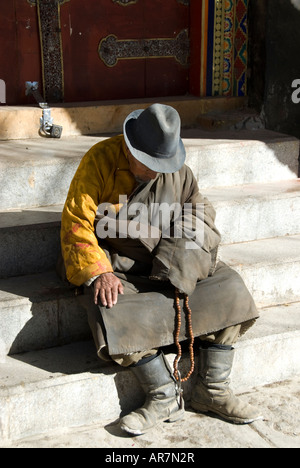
x=120, y=288
x=115, y=292
x=103, y=297
x=109, y=301
x=106, y=288
x=96, y=292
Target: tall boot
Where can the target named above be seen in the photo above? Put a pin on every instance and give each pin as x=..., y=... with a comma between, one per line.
x=212, y=392
x=163, y=399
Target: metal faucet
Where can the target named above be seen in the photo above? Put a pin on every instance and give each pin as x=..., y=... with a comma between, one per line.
x=46, y=121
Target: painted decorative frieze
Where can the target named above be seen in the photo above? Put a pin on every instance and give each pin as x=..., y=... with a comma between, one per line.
x=224, y=47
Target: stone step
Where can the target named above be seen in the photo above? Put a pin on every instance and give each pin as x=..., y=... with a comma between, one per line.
x=40, y=311
x=226, y=158
x=38, y=172
x=90, y=118
x=269, y=267
x=231, y=119
x=256, y=211
x=30, y=238
x=65, y=387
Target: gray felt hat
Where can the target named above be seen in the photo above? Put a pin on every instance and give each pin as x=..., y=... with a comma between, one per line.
x=153, y=138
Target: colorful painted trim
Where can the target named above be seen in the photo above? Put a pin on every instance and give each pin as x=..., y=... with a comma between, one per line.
x=224, y=39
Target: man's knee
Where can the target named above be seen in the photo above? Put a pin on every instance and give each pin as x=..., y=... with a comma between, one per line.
x=126, y=360
x=228, y=336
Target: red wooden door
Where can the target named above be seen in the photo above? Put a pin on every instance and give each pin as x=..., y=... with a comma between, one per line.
x=118, y=49
x=20, y=54
x=88, y=50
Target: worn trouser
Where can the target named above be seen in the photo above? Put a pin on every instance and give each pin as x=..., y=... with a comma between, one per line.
x=222, y=308
x=228, y=336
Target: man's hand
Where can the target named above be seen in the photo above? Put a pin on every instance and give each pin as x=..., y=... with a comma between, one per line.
x=106, y=288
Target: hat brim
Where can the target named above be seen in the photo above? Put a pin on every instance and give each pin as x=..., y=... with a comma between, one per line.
x=164, y=165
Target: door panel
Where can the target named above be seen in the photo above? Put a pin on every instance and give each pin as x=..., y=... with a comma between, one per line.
x=80, y=26
x=87, y=25
x=19, y=49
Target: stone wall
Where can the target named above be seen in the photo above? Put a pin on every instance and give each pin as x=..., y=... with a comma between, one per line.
x=275, y=63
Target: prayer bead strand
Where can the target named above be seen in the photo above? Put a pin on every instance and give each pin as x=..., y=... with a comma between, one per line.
x=190, y=335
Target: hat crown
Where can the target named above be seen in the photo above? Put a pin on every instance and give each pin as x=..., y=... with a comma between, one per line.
x=153, y=137
x=158, y=131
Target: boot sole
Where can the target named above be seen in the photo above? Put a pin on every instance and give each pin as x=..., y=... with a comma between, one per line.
x=206, y=409
x=136, y=432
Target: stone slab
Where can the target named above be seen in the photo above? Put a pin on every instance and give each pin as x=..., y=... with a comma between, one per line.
x=67, y=386
x=256, y=211
x=269, y=267
x=38, y=172
x=88, y=118
x=30, y=238
x=280, y=429
x=225, y=158
x=40, y=311
x=264, y=347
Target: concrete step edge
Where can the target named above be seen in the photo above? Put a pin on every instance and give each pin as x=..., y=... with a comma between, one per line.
x=269, y=267
x=243, y=213
x=67, y=386
x=280, y=189
x=104, y=116
x=41, y=311
x=39, y=173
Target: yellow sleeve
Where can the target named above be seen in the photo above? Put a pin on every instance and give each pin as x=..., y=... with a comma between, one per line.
x=92, y=183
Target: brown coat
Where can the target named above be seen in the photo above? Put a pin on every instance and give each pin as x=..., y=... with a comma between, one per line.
x=150, y=268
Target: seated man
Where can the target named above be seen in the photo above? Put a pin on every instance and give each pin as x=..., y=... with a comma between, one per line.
x=138, y=233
